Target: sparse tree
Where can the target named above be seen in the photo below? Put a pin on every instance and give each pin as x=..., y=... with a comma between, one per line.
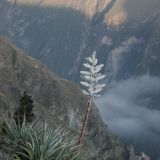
x=25, y=110
x=90, y=80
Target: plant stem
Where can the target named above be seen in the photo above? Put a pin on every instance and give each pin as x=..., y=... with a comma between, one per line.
x=84, y=122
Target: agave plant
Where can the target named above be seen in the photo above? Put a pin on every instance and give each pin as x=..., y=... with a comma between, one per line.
x=34, y=142
x=48, y=145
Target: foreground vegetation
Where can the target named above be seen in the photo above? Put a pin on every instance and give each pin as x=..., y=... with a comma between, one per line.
x=32, y=141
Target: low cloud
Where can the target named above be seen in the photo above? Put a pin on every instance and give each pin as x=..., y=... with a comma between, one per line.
x=126, y=110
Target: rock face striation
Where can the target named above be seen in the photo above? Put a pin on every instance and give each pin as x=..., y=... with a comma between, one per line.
x=58, y=101
x=88, y=7
x=54, y=30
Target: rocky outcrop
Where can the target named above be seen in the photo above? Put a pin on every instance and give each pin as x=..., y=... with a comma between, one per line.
x=58, y=101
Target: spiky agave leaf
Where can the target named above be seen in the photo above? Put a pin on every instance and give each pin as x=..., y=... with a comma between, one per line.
x=50, y=145
x=34, y=142
x=16, y=133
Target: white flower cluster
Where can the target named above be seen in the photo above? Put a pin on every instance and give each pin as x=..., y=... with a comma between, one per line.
x=143, y=157
x=92, y=76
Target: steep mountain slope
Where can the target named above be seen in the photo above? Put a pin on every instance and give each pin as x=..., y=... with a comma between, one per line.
x=59, y=101
x=60, y=33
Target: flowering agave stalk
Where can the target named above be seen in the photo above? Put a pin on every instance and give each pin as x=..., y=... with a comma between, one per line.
x=90, y=80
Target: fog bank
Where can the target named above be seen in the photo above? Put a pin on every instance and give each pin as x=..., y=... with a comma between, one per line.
x=126, y=107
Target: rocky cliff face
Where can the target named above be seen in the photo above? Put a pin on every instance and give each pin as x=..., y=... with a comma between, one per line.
x=58, y=29
x=88, y=7
x=118, y=30
x=59, y=101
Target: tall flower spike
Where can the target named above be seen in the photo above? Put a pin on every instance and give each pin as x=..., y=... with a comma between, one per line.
x=91, y=76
